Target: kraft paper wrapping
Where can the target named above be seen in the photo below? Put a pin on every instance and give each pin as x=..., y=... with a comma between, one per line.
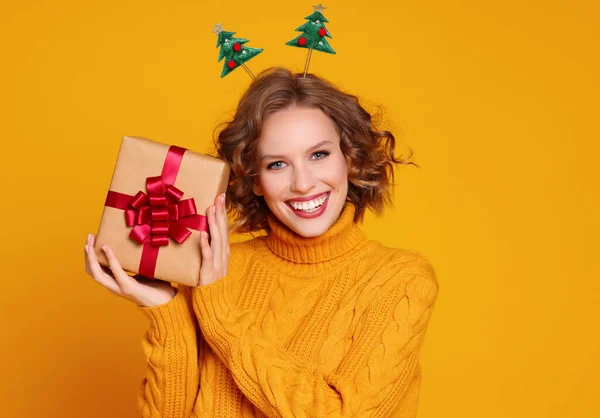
x=200, y=177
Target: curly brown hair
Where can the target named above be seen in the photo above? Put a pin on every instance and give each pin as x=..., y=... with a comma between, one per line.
x=371, y=151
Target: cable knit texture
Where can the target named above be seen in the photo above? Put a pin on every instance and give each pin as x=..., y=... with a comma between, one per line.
x=330, y=326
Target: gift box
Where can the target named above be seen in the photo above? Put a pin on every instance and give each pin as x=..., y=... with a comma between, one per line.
x=156, y=208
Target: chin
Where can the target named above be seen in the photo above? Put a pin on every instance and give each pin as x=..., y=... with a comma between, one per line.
x=312, y=232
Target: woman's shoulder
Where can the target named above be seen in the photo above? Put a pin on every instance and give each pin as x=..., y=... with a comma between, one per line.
x=397, y=268
x=393, y=257
x=404, y=258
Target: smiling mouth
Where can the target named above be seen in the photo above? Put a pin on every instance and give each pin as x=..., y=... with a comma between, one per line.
x=310, y=206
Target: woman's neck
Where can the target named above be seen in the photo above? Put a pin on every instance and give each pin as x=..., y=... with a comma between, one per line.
x=336, y=242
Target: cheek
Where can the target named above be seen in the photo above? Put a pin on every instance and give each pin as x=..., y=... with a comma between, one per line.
x=272, y=186
x=339, y=170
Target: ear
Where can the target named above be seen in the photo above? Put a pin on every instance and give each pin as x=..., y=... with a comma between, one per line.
x=348, y=162
x=257, y=190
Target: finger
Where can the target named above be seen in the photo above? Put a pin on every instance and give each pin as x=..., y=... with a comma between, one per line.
x=95, y=270
x=89, y=242
x=85, y=255
x=216, y=241
x=222, y=220
x=222, y=217
x=207, y=267
x=125, y=282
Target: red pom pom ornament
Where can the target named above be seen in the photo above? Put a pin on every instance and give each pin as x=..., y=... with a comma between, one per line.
x=302, y=41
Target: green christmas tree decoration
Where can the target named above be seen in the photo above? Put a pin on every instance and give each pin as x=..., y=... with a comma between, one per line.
x=314, y=33
x=234, y=51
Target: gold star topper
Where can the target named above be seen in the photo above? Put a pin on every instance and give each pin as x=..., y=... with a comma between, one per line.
x=319, y=8
x=218, y=29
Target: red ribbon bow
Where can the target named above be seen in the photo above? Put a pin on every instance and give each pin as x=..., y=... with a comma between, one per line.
x=160, y=213
x=157, y=216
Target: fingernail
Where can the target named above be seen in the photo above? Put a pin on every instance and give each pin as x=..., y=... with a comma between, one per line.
x=105, y=248
x=222, y=197
x=89, y=238
x=87, y=249
x=213, y=209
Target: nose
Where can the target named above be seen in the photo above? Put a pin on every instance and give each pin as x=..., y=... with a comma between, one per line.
x=303, y=179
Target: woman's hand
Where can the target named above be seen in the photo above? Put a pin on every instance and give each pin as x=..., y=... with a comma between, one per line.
x=215, y=256
x=141, y=290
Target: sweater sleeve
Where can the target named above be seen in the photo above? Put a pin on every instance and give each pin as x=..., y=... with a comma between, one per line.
x=170, y=346
x=372, y=378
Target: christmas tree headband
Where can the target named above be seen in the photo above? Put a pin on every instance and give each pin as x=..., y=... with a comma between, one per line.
x=314, y=36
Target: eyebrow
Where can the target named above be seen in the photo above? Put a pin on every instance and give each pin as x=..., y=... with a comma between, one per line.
x=314, y=147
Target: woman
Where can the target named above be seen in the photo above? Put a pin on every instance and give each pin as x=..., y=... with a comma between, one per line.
x=311, y=319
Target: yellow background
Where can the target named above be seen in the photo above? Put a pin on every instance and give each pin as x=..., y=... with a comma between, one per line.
x=498, y=99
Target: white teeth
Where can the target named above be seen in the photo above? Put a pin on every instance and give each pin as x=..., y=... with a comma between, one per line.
x=309, y=206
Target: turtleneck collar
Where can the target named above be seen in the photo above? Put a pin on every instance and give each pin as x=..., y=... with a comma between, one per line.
x=341, y=237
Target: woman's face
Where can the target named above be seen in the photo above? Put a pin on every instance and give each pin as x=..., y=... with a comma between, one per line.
x=303, y=175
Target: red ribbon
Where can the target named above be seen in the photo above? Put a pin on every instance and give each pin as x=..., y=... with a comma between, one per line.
x=160, y=213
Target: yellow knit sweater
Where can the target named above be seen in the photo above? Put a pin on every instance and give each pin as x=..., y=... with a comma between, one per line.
x=330, y=326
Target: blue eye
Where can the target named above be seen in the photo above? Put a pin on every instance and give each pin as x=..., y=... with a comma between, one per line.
x=322, y=153
x=317, y=155
x=275, y=166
